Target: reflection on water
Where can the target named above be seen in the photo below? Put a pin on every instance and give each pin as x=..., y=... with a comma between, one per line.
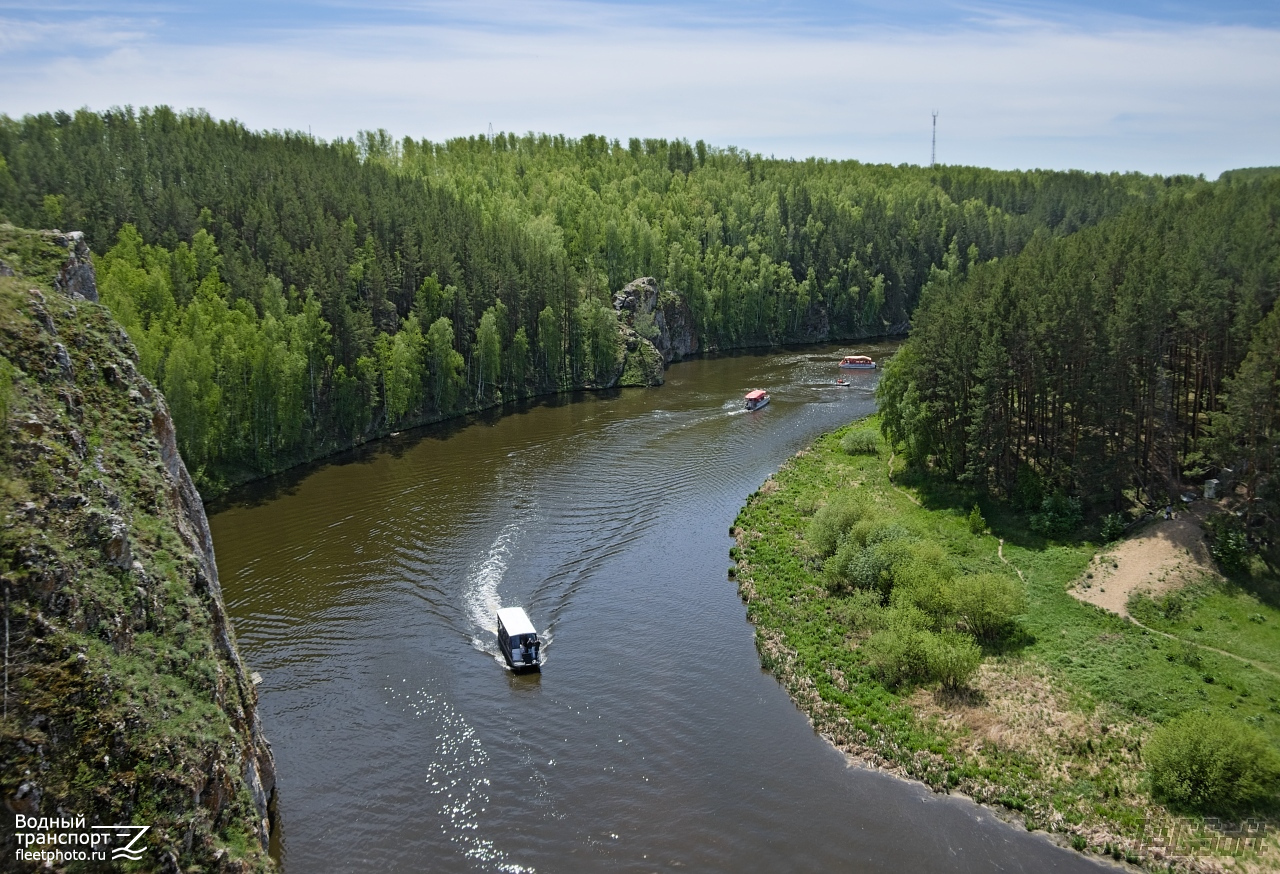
x=364, y=591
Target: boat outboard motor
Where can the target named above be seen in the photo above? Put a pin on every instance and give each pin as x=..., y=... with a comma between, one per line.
x=530, y=650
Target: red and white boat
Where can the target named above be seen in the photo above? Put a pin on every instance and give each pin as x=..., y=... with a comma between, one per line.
x=857, y=362
x=757, y=399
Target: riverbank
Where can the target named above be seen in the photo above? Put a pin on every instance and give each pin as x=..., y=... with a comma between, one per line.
x=1049, y=726
x=630, y=375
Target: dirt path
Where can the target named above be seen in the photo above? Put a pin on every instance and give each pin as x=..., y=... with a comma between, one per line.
x=1162, y=556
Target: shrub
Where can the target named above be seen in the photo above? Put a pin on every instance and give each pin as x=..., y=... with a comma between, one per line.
x=831, y=523
x=923, y=581
x=987, y=603
x=1112, y=526
x=7, y=372
x=1028, y=492
x=1229, y=545
x=869, y=566
x=1059, y=516
x=858, y=610
x=860, y=442
x=976, y=523
x=952, y=658
x=899, y=653
x=1211, y=762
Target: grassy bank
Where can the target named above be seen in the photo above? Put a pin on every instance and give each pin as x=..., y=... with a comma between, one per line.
x=1051, y=717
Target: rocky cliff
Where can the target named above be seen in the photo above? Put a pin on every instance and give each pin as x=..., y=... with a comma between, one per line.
x=125, y=700
x=657, y=329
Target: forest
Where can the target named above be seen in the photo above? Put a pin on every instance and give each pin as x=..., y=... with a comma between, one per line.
x=1116, y=367
x=293, y=297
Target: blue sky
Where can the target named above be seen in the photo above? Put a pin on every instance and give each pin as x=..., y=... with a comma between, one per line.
x=1163, y=87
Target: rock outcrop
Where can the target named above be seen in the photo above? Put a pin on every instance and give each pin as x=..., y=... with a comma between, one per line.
x=127, y=701
x=663, y=318
x=656, y=328
x=76, y=278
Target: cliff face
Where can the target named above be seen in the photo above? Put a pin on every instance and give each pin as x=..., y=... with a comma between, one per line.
x=657, y=328
x=126, y=701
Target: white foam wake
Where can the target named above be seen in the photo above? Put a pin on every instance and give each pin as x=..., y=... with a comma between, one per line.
x=480, y=591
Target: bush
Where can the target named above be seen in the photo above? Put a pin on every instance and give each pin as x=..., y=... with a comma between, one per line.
x=860, y=442
x=976, y=523
x=869, y=566
x=1028, y=492
x=905, y=651
x=987, y=603
x=831, y=523
x=7, y=372
x=857, y=611
x=899, y=653
x=1211, y=763
x=1059, y=516
x=952, y=658
x=1229, y=545
x=1112, y=527
x=923, y=581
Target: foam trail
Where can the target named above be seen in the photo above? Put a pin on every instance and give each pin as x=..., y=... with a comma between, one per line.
x=480, y=593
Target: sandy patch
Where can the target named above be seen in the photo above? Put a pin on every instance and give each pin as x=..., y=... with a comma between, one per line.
x=1163, y=555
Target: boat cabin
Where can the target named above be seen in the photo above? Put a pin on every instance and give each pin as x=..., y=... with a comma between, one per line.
x=857, y=362
x=518, y=639
x=756, y=399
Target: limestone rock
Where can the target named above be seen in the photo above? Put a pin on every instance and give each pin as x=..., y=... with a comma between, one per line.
x=76, y=279
x=64, y=361
x=116, y=548
x=659, y=316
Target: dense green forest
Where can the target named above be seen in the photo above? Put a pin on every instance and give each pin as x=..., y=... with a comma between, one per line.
x=292, y=297
x=1117, y=364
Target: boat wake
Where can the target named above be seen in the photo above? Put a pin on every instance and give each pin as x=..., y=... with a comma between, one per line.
x=480, y=592
x=481, y=597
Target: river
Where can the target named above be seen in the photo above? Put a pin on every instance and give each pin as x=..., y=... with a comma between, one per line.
x=364, y=589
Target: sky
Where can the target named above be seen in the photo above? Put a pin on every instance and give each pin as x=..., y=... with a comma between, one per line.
x=1157, y=87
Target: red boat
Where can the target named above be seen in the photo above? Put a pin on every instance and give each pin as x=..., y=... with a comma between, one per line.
x=757, y=399
x=857, y=362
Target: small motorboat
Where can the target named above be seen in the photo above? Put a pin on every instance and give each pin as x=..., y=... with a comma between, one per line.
x=841, y=382
x=756, y=399
x=857, y=362
x=518, y=639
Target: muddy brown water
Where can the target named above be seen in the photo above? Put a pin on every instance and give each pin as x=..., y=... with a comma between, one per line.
x=364, y=590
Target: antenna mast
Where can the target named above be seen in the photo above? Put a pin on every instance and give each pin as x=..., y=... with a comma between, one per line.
x=933, y=153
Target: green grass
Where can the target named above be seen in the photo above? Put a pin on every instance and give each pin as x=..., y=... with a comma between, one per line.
x=1112, y=680
x=1220, y=614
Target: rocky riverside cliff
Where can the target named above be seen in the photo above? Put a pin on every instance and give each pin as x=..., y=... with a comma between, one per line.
x=657, y=328
x=125, y=700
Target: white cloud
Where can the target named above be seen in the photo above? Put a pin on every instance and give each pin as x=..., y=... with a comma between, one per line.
x=1020, y=93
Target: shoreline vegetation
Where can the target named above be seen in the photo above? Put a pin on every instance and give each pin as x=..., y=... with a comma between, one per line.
x=932, y=634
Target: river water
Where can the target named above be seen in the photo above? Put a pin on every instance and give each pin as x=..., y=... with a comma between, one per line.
x=364, y=592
